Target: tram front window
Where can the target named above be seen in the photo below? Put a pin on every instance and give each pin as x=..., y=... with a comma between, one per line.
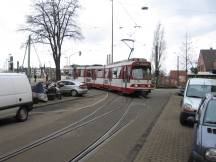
x=140, y=72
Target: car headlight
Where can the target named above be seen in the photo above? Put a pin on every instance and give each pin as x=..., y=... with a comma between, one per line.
x=188, y=107
x=211, y=154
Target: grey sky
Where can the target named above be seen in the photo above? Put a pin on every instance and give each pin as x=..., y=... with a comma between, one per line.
x=197, y=17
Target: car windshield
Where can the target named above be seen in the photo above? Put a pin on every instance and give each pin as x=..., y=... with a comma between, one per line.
x=140, y=72
x=199, y=91
x=210, y=115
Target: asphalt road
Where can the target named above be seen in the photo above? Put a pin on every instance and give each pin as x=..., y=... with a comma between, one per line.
x=106, y=127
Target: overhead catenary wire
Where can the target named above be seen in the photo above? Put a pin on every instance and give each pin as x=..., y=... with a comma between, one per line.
x=135, y=24
x=128, y=14
x=25, y=54
x=37, y=55
x=40, y=65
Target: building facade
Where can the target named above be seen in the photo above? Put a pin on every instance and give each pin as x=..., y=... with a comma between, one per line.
x=207, y=61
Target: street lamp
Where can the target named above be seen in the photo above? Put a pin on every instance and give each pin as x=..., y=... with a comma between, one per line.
x=144, y=8
x=79, y=52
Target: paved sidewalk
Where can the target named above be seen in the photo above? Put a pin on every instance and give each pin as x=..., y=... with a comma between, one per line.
x=168, y=140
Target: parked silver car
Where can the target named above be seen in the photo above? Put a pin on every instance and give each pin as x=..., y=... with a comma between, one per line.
x=204, y=148
x=72, y=87
x=195, y=90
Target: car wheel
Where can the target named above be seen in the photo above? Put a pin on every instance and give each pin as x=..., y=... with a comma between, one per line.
x=74, y=93
x=182, y=120
x=60, y=97
x=22, y=114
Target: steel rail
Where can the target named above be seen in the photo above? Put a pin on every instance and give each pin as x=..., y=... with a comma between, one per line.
x=103, y=138
x=71, y=127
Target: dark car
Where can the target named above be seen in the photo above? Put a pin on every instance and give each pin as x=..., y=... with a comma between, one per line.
x=181, y=91
x=204, y=149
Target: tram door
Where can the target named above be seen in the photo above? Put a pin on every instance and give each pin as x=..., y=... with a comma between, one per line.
x=126, y=76
x=107, y=78
x=93, y=77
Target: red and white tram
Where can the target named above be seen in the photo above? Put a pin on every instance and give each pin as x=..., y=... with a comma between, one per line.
x=128, y=76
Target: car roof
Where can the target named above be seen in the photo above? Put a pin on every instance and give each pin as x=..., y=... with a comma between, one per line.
x=12, y=74
x=211, y=95
x=75, y=81
x=202, y=81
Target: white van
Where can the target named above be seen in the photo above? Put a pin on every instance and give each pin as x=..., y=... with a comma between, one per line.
x=15, y=96
x=195, y=90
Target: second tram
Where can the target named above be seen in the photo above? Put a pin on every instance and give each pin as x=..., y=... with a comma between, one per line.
x=127, y=76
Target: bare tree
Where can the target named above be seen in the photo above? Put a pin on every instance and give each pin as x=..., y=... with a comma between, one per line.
x=51, y=22
x=158, y=50
x=187, y=55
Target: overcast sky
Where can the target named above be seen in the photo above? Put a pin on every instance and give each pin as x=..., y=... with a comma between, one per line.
x=197, y=17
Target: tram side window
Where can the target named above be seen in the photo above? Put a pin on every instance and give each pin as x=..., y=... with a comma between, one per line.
x=99, y=73
x=114, y=73
x=119, y=69
x=82, y=73
x=88, y=73
x=106, y=73
x=93, y=74
x=129, y=71
x=78, y=72
x=146, y=71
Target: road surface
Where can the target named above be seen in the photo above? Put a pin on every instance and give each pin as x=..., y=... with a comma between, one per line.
x=107, y=127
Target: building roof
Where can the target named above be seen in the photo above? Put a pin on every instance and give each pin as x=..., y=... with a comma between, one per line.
x=175, y=73
x=202, y=81
x=209, y=56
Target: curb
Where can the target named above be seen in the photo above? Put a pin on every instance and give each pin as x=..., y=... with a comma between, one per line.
x=62, y=101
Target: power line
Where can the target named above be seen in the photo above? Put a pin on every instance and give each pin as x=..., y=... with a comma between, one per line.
x=37, y=55
x=25, y=54
x=128, y=14
x=184, y=10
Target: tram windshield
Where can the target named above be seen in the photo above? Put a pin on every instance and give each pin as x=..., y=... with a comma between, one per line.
x=141, y=72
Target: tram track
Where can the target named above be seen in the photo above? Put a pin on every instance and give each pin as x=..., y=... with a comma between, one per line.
x=102, y=139
x=71, y=127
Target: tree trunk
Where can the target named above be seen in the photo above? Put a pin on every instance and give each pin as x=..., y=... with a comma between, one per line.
x=157, y=81
x=58, y=70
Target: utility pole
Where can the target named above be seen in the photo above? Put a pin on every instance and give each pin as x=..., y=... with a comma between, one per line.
x=111, y=61
x=186, y=54
x=107, y=59
x=177, y=71
x=29, y=53
x=156, y=65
